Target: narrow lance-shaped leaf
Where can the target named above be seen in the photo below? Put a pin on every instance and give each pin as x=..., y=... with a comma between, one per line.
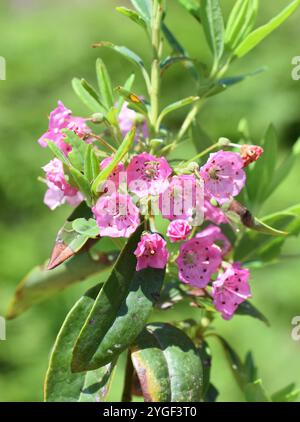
x=117, y=319
x=122, y=150
x=129, y=55
x=133, y=100
x=68, y=242
x=134, y=16
x=144, y=7
x=91, y=164
x=61, y=385
x=175, y=106
x=85, y=95
x=258, y=35
x=127, y=86
x=193, y=7
x=255, y=246
x=246, y=308
x=41, y=284
x=240, y=22
x=213, y=26
x=167, y=364
x=104, y=83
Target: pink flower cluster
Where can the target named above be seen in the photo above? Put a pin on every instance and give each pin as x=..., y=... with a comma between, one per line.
x=59, y=119
x=59, y=191
x=180, y=198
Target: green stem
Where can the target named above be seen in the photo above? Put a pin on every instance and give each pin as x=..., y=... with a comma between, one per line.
x=202, y=153
x=127, y=395
x=155, y=69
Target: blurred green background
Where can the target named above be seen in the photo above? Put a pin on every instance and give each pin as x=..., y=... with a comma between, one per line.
x=45, y=44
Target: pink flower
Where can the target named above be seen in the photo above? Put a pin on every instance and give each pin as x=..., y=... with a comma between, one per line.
x=151, y=252
x=129, y=118
x=231, y=289
x=59, y=191
x=148, y=175
x=61, y=118
x=179, y=200
x=213, y=214
x=178, y=230
x=197, y=261
x=223, y=175
x=214, y=234
x=114, y=176
x=116, y=215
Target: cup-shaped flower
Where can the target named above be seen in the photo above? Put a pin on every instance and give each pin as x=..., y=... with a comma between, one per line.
x=116, y=215
x=197, y=261
x=231, y=289
x=178, y=230
x=223, y=175
x=151, y=252
x=61, y=118
x=148, y=175
x=214, y=235
x=59, y=190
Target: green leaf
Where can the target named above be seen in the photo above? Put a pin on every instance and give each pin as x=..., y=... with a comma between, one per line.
x=104, y=84
x=118, y=156
x=134, y=16
x=58, y=153
x=235, y=363
x=144, y=7
x=167, y=364
x=212, y=394
x=91, y=164
x=86, y=227
x=213, y=26
x=246, y=308
x=127, y=86
x=40, y=283
x=170, y=60
x=68, y=242
x=179, y=50
x=286, y=395
x=260, y=175
x=175, y=106
x=240, y=23
x=120, y=310
x=258, y=35
x=134, y=101
x=86, y=94
x=129, y=55
x=255, y=393
x=205, y=356
x=82, y=183
x=284, y=169
x=255, y=246
x=61, y=385
x=193, y=7
x=76, y=156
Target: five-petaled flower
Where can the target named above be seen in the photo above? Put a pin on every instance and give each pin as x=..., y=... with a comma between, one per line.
x=197, y=261
x=148, y=175
x=231, y=289
x=223, y=175
x=116, y=215
x=151, y=252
